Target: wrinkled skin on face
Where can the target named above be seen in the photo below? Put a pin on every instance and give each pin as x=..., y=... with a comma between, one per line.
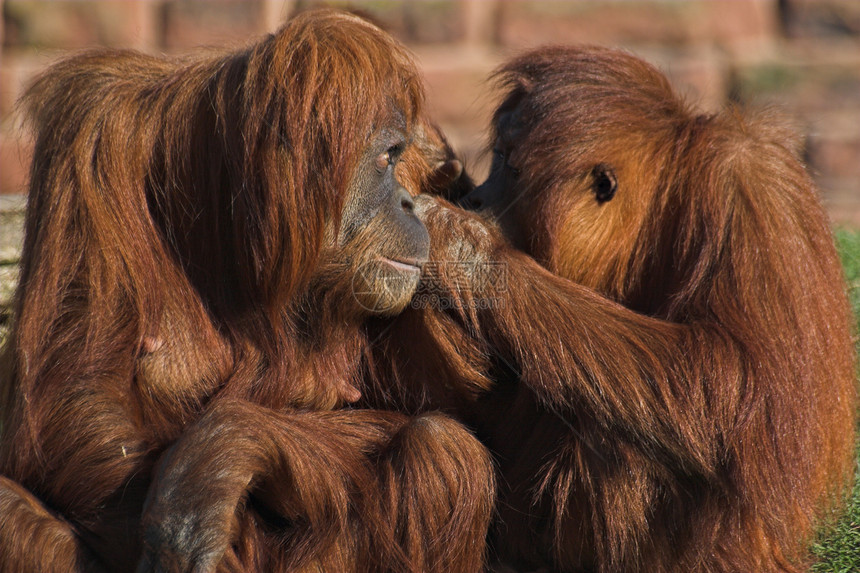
x=380, y=241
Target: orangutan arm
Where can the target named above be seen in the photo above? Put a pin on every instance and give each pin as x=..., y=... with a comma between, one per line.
x=645, y=378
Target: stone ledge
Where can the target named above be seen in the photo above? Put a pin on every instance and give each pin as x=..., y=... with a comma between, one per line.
x=11, y=239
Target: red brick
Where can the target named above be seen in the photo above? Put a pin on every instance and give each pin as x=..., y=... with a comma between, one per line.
x=835, y=157
x=69, y=25
x=433, y=21
x=43, y=24
x=131, y=24
x=275, y=12
x=700, y=76
x=16, y=72
x=527, y=24
x=833, y=152
x=821, y=18
x=460, y=98
x=841, y=198
x=809, y=83
x=456, y=80
x=737, y=25
x=190, y=24
x=479, y=21
x=413, y=22
x=14, y=164
x=387, y=14
x=9, y=88
x=458, y=95
x=725, y=23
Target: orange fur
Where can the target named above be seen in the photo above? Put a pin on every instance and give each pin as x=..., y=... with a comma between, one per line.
x=675, y=386
x=179, y=330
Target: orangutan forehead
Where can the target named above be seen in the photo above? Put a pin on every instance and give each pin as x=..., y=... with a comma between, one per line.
x=509, y=125
x=391, y=123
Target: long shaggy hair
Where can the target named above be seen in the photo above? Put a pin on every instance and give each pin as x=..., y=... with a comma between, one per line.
x=717, y=231
x=675, y=387
x=179, y=212
x=200, y=184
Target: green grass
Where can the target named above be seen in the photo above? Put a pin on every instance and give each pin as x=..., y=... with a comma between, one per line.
x=838, y=550
x=848, y=243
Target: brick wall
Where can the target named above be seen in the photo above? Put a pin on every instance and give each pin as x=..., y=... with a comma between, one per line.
x=801, y=54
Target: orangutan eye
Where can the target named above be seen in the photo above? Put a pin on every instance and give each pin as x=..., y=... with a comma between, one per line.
x=389, y=156
x=504, y=159
x=382, y=161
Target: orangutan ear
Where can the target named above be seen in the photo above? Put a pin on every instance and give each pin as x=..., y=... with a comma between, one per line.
x=446, y=172
x=450, y=180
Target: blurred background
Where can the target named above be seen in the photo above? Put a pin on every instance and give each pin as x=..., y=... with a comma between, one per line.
x=801, y=54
